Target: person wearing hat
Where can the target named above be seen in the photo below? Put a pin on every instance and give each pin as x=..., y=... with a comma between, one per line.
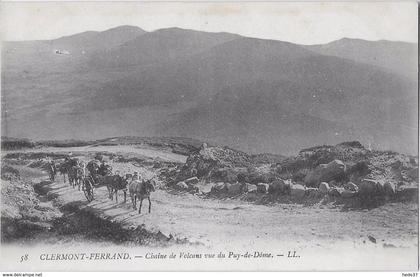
x=52, y=169
x=103, y=168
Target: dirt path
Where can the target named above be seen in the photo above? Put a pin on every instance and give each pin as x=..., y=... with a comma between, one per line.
x=120, y=149
x=211, y=221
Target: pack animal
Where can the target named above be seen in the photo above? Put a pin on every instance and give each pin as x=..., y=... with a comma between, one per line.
x=75, y=174
x=65, y=167
x=62, y=168
x=115, y=184
x=141, y=190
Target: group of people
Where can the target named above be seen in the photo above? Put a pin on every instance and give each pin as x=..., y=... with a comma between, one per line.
x=97, y=173
x=95, y=167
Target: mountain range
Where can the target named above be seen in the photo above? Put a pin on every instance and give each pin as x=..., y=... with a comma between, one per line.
x=253, y=94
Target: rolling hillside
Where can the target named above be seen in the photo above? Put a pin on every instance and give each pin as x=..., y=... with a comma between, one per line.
x=252, y=94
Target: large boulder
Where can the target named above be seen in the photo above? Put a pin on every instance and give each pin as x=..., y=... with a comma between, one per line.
x=348, y=193
x=324, y=188
x=368, y=187
x=335, y=192
x=413, y=173
x=358, y=171
x=191, y=181
x=351, y=186
x=332, y=184
x=371, y=192
x=312, y=193
x=220, y=187
x=235, y=189
x=297, y=191
x=407, y=193
x=380, y=190
x=181, y=185
x=252, y=188
x=325, y=173
x=262, y=187
x=389, y=189
x=279, y=187
x=205, y=188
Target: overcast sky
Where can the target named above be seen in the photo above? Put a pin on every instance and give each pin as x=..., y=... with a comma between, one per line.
x=304, y=23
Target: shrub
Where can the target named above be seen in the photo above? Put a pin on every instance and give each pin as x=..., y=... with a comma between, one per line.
x=354, y=144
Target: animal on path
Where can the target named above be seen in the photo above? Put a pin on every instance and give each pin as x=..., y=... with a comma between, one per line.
x=75, y=175
x=141, y=190
x=62, y=168
x=115, y=184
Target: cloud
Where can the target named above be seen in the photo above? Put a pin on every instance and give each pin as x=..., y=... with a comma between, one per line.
x=299, y=22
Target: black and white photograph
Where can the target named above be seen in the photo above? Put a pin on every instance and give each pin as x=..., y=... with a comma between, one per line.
x=209, y=136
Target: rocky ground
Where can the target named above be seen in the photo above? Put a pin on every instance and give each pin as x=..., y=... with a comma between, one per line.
x=346, y=175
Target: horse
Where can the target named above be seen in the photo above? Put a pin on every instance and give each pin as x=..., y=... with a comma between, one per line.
x=141, y=190
x=64, y=167
x=75, y=174
x=118, y=183
x=95, y=169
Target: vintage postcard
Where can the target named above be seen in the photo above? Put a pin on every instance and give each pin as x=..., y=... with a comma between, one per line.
x=209, y=136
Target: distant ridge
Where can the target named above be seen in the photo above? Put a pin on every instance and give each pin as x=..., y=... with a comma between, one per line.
x=397, y=57
x=254, y=95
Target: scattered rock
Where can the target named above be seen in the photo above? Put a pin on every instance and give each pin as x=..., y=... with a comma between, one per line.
x=279, y=187
x=388, y=245
x=325, y=173
x=332, y=184
x=181, y=185
x=297, y=191
x=358, y=171
x=194, y=189
x=219, y=188
x=348, y=193
x=262, y=187
x=368, y=187
x=191, y=181
x=206, y=188
x=334, y=192
x=252, y=188
x=351, y=186
x=312, y=193
x=9, y=173
x=324, y=188
x=235, y=189
x=407, y=193
x=372, y=239
x=413, y=173
x=389, y=188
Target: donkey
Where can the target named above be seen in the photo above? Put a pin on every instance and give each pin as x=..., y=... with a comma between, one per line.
x=75, y=174
x=62, y=168
x=117, y=183
x=141, y=190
